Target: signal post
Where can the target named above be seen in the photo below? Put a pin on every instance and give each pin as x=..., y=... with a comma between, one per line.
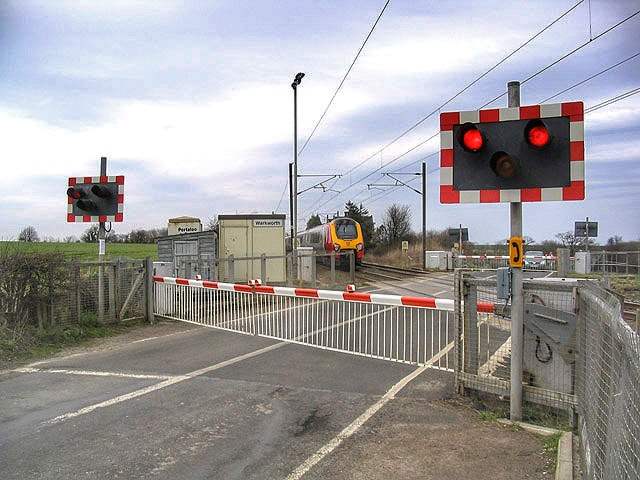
x=97, y=199
x=513, y=155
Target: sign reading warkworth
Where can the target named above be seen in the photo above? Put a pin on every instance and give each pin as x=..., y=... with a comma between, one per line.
x=276, y=222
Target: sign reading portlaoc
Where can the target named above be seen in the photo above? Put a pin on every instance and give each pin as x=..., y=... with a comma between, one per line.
x=271, y=222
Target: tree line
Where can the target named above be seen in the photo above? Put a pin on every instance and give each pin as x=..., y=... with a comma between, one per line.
x=90, y=235
x=393, y=229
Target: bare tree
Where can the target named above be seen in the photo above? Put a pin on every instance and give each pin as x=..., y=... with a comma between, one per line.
x=90, y=235
x=28, y=234
x=568, y=239
x=396, y=224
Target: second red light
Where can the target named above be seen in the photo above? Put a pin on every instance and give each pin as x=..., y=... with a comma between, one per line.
x=538, y=136
x=472, y=140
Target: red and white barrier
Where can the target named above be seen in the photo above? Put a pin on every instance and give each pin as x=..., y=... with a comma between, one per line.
x=424, y=302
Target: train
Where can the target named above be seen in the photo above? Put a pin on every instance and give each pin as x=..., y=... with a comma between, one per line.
x=338, y=235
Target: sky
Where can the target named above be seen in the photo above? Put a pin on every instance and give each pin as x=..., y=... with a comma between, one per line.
x=192, y=102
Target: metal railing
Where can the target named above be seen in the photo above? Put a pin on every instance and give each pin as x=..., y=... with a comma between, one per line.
x=484, y=341
x=578, y=355
x=599, y=262
x=410, y=330
x=311, y=269
x=491, y=262
x=615, y=262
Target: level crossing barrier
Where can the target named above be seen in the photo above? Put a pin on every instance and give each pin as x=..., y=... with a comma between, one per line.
x=537, y=262
x=413, y=330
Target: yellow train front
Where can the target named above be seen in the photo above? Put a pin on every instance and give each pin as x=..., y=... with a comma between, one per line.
x=339, y=235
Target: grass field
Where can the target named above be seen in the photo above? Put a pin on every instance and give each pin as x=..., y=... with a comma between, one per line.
x=84, y=251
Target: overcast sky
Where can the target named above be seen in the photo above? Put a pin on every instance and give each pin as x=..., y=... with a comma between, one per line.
x=192, y=102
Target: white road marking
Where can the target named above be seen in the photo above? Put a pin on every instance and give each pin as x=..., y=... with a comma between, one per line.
x=161, y=385
x=93, y=373
x=354, y=426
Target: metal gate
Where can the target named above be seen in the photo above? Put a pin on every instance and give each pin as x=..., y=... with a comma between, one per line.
x=413, y=330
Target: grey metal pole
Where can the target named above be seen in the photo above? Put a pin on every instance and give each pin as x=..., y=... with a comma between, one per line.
x=586, y=227
x=424, y=215
x=102, y=234
x=295, y=174
x=291, y=203
x=517, y=297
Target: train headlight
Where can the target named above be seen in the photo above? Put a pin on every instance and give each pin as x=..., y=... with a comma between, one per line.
x=336, y=247
x=359, y=247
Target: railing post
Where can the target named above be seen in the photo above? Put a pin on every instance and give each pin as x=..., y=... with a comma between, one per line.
x=471, y=340
x=263, y=268
x=333, y=268
x=289, y=260
x=232, y=268
x=352, y=266
x=314, y=283
x=149, y=296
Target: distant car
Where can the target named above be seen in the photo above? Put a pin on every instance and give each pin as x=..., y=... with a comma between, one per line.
x=535, y=259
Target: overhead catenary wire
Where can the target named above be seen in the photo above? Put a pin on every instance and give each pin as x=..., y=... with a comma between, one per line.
x=534, y=75
x=590, y=78
x=464, y=89
x=613, y=100
x=591, y=109
x=496, y=98
x=440, y=107
x=565, y=56
x=345, y=77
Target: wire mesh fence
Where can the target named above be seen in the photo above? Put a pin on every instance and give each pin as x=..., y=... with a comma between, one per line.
x=608, y=387
x=61, y=293
x=106, y=291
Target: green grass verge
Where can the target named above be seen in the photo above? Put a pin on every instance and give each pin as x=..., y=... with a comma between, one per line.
x=32, y=343
x=85, y=251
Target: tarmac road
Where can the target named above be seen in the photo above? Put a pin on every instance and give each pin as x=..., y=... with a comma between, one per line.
x=174, y=401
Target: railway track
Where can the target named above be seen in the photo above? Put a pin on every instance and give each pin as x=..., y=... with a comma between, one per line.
x=406, y=280
x=377, y=267
x=630, y=313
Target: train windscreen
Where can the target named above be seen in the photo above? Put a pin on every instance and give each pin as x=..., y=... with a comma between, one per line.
x=346, y=229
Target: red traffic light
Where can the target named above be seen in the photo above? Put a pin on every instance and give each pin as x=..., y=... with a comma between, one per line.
x=75, y=193
x=86, y=205
x=537, y=134
x=100, y=191
x=470, y=137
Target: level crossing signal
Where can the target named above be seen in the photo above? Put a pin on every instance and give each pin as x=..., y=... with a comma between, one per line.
x=95, y=199
x=519, y=154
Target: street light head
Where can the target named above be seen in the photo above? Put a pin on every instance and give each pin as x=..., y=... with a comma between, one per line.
x=297, y=80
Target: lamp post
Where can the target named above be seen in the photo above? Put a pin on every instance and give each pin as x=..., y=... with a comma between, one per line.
x=294, y=186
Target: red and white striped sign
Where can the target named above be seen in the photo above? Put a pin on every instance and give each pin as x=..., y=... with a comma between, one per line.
x=575, y=191
x=118, y=217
